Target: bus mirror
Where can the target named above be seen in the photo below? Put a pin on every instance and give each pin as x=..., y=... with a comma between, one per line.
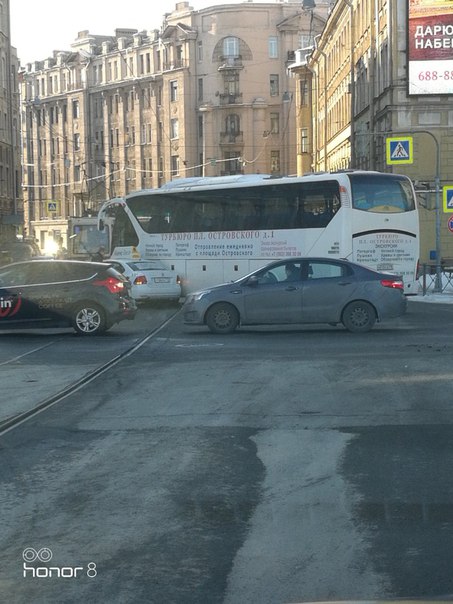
x=101, y=225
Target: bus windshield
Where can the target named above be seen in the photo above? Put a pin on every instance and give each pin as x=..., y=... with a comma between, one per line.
x=381, y=193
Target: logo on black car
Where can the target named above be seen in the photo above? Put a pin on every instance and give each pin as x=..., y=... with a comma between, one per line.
x=9, y=307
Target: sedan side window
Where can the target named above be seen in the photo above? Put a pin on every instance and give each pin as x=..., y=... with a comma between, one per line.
x=282, y=273
x=325, y=270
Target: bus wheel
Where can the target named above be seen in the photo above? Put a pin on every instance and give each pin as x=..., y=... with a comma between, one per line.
x=359, y=316
x=222, y=318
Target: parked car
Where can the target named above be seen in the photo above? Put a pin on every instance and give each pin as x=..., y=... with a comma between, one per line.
x=150, y=279
x=15, y=251
x=300, y=290
x=88, y=296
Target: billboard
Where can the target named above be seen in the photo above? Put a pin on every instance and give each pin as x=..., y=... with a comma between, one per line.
x=430, y=46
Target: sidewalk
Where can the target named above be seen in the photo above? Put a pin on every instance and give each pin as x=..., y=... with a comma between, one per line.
x=446, y=297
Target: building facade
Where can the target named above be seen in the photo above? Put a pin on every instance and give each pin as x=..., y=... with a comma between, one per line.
x=357, y=81
x=208, y=94
x=11, y=213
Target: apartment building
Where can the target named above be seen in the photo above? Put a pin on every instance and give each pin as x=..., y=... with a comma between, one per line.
x=382, y=69
x=11, y=214
x=207, y=94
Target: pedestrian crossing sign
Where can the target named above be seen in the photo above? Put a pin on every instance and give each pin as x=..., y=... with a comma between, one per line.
x=400, y=150
x=52, y=207
x=447, y=194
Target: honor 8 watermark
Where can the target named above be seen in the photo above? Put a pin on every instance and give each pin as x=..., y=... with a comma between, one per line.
x=42, y=570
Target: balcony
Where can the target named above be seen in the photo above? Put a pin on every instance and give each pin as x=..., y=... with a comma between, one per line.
x=230, y=99
x=229, y=62
x=176, y=64
x=228, y=138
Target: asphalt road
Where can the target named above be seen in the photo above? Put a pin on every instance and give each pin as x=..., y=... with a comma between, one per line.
x=273, y=465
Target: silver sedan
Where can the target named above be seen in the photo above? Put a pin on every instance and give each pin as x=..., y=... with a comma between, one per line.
x=300, y=290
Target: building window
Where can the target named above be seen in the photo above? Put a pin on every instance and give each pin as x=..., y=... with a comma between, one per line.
x=273, y=84
x=232, y=165
x=231, y=83
x=173, y=90
x=75, y=109
x=232, y=124
x=275, y=123
x=304, y=140
x=275, y=161
x=200, y=89
x=303, y=92
x=273, y=47
x=174, y=128
x=76, y=142
x=305, y=41
x=174, y=165
x=200, y=51
x=231, y=47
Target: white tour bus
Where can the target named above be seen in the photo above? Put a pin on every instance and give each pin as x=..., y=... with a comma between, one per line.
x=216, y=229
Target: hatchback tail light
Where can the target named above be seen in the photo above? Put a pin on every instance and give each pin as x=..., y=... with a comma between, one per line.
x=114, y=285
x=140, y=280
x=393, y=283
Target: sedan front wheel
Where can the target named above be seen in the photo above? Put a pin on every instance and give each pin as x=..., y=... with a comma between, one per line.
x=222, y=318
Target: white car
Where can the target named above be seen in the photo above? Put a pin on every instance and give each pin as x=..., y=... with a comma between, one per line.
x=150, y=279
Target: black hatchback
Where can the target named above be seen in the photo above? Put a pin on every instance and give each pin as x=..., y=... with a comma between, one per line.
x=88, y=296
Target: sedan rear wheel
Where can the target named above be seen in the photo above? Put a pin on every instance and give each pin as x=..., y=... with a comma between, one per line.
x=222, y=318
x=89, y=319
x=359, y=316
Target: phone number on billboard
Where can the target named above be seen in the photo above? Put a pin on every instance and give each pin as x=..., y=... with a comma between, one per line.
x=426, y=76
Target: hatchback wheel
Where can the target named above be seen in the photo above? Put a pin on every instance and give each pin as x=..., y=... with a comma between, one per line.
x=222, y=318
x=89, y=319
x=359, y=316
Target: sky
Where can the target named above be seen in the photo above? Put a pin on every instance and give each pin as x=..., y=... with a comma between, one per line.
x=40, y=26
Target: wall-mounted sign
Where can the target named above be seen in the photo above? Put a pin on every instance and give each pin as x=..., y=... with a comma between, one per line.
x=447, y=194
x=400, y=150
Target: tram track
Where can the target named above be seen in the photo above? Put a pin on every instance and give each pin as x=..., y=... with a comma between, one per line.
x=22, y=417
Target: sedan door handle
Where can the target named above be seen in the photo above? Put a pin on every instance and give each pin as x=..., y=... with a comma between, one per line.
x=291, y=288
x=343, y=283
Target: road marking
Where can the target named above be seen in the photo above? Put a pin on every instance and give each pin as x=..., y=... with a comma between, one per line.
x=197, y=345
x=21, y=356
